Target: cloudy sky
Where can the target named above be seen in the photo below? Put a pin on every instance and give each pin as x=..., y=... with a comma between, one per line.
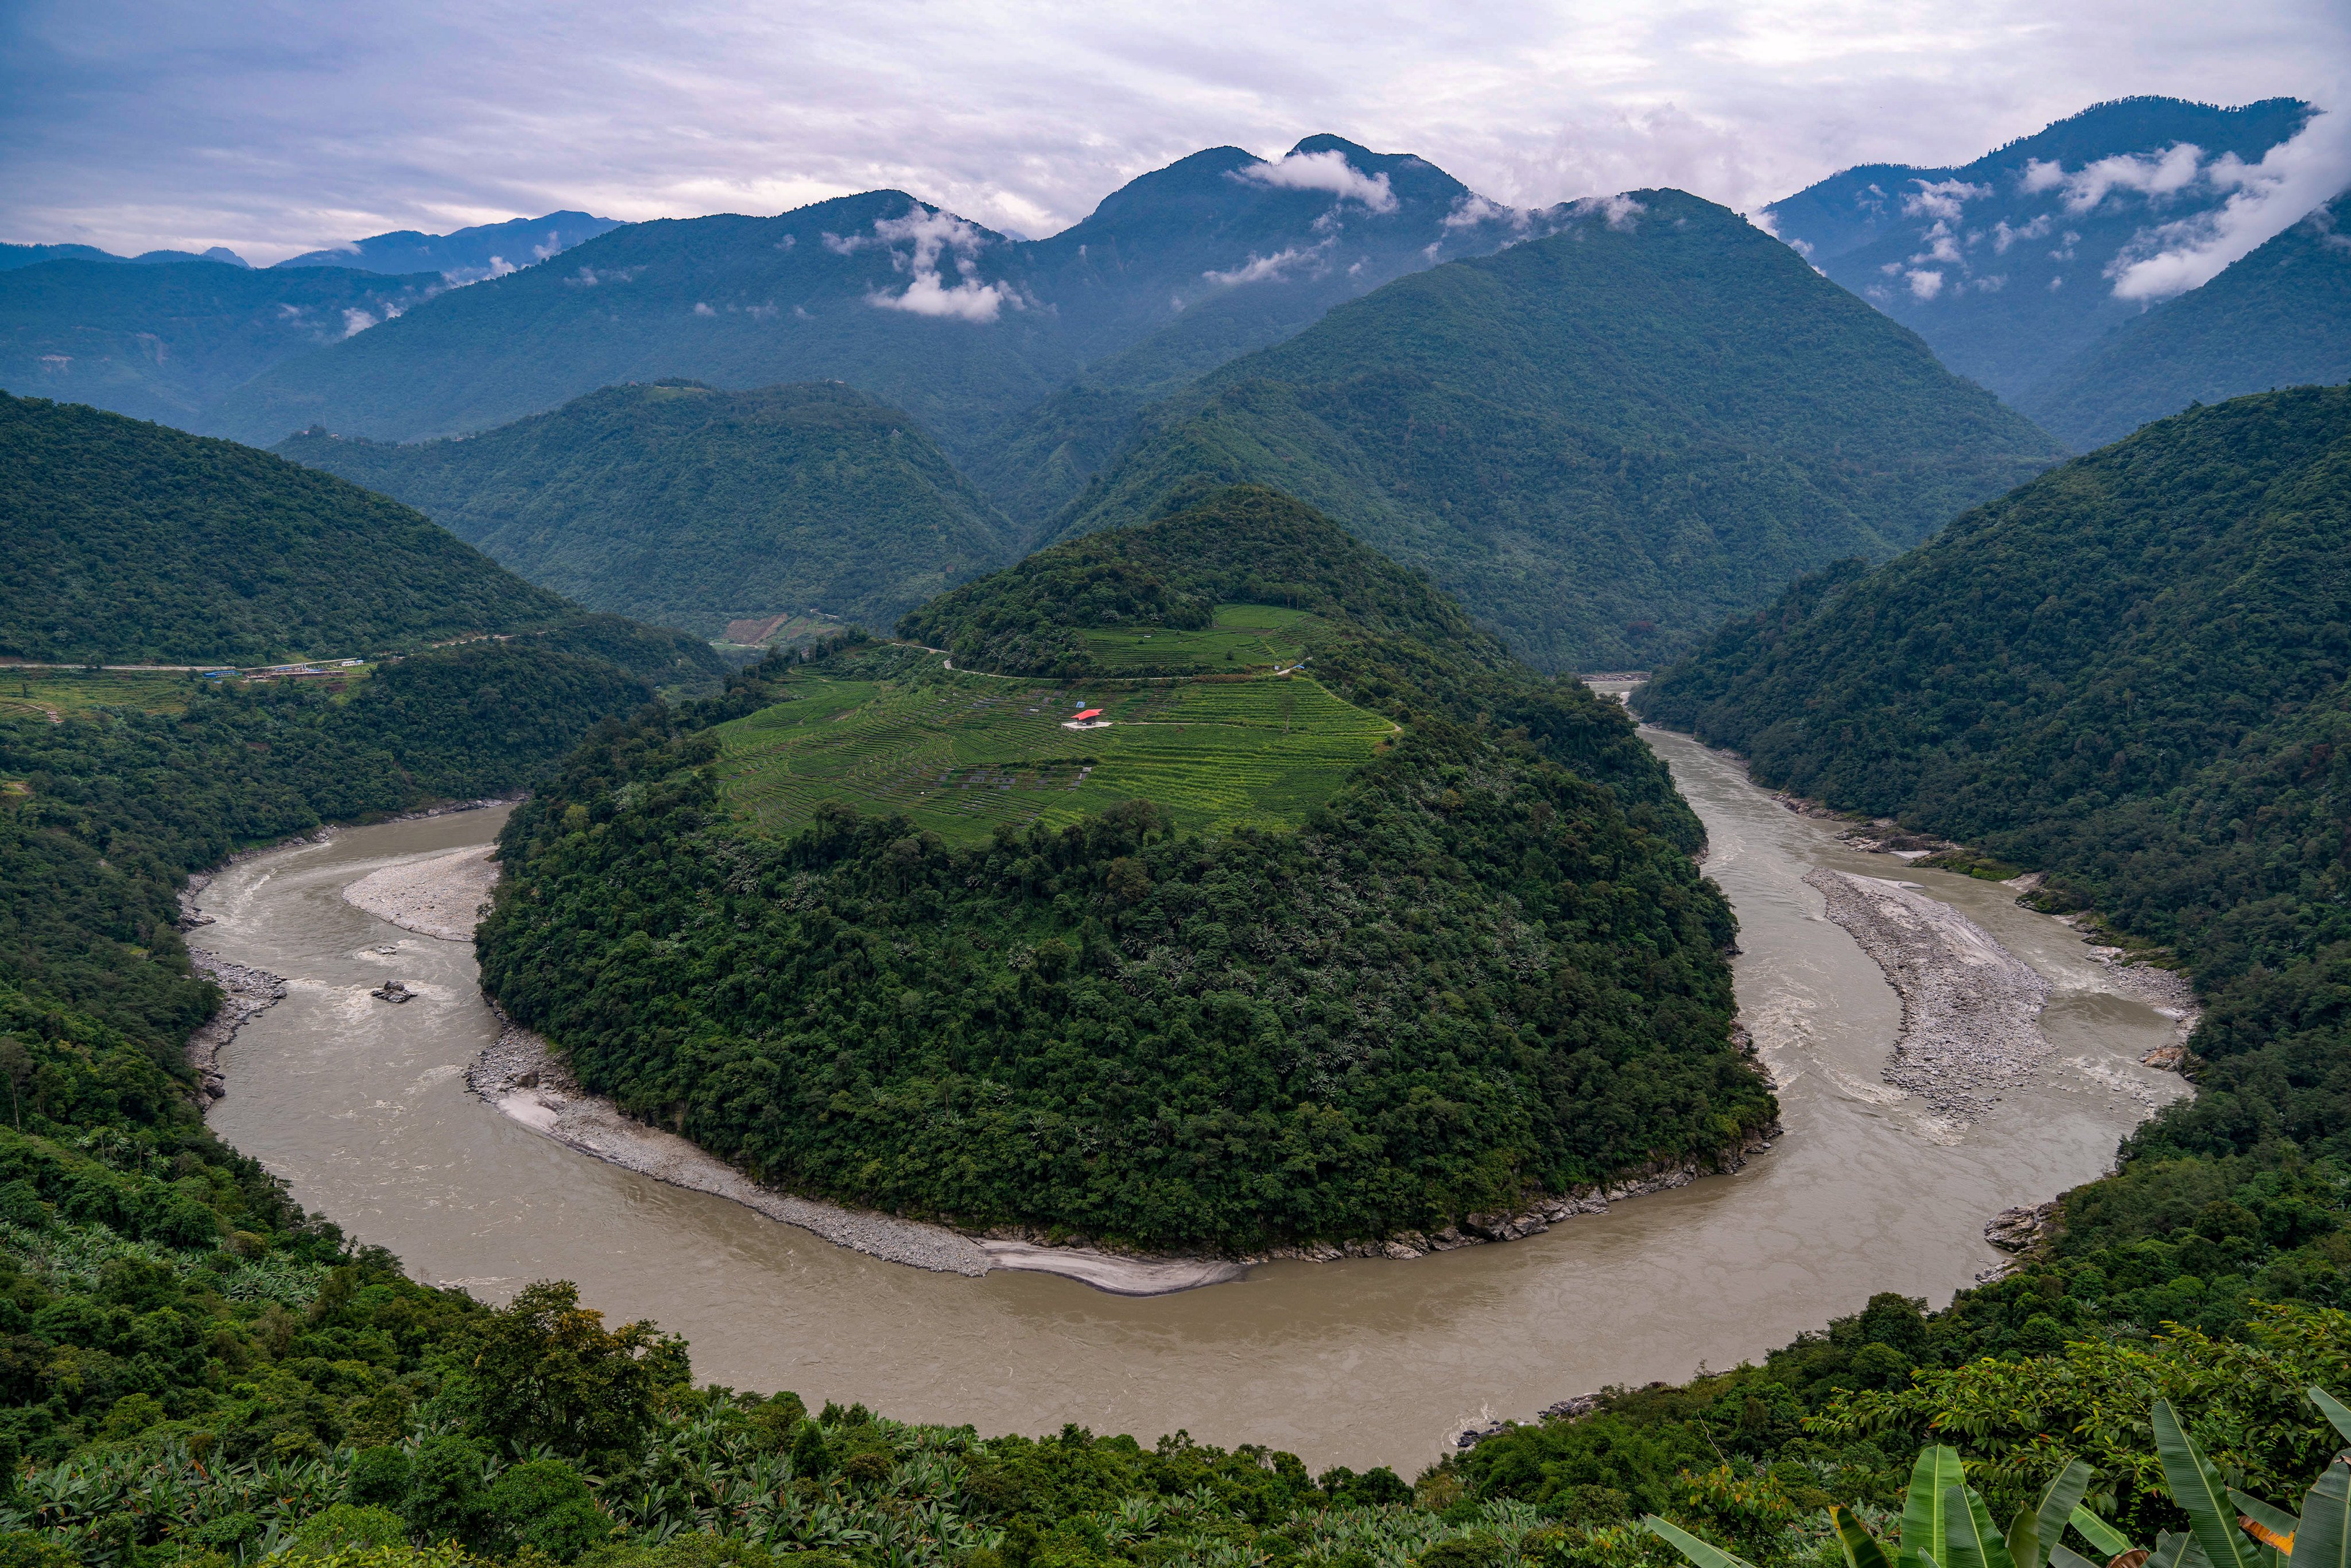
x=278, y=126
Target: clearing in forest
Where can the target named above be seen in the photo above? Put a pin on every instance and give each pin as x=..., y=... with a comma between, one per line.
x=959, y=753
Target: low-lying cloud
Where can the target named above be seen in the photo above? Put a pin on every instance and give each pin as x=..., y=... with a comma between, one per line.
x=932, y=233
x=2265, y=199
x=1325, y=171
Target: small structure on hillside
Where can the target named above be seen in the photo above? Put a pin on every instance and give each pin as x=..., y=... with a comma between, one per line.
x=1086, y=718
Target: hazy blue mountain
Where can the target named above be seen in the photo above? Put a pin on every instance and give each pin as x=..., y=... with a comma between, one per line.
x=15, y=255
x=163, y=342
x=1601, y=441
x=2278, y=317
x=2004, y=265
x=965, y=328
x=465, y=256
x=687, y=506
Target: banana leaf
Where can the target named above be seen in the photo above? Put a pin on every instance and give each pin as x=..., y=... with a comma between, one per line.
x=2176, y=1551
x=2272, y=1526
x=2057, y=1505
x=1967, y=1525
x=1863, y=1550
x=1924, y=1526
x=2338, y=1415
x=2322, y=1538
x=2063, y=1556
x=2198, y=1489
x=2110, y=1541
x=2024, y=1539
x=1704, y=1553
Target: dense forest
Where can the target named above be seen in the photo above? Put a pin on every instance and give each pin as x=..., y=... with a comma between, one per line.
x=1484, y=972
x=1604, y=440
x=2279, y=316
x=132, y=542
x=684, y=506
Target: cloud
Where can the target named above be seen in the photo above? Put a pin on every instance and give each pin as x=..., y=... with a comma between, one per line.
x=2291, y=179
x=933, y=234
x=356, y=322
x=1326, y=170
x=2164, y=173
x=277, y=128
x=2002, y=236
x=1620, y=210
x=1942, y=199
x=1274, y=268
x=1474, y=210
x=1926, y=285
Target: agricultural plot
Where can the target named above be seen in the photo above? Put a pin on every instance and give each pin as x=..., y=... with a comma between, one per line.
x=1243, y=637
x=58, y=694
x=958, y=754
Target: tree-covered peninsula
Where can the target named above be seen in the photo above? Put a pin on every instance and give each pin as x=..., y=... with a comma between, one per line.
x=1476, y=968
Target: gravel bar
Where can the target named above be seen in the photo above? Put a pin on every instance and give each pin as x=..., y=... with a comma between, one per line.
x=1970, y=1008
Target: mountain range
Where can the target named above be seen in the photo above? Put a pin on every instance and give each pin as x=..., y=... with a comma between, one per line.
x=2011, y=264
x=1604, y=439
x=684, y=506
x=462, y=255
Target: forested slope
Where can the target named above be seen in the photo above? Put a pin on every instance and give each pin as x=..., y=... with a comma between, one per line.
x=1602, y=441
x=2128, y=675
x=1484, y=970
x=130, y=541
x=2278, y=317
x=688, y=506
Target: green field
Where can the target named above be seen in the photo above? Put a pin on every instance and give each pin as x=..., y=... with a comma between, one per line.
x=55, y=694
x=1242, y=637
x=960, y=753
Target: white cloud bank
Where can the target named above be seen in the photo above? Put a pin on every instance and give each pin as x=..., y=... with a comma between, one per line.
x=933, y=234
x=2264, y=200
x=1326, y=170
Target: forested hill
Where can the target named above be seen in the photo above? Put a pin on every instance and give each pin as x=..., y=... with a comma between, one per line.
x=1603, y=440
x=2280, y=317
x=2130, y=674
x=131, y=543
x=1468, y=966
x=688, y=506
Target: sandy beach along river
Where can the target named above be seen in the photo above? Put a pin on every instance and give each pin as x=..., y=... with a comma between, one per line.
x=361, y=1105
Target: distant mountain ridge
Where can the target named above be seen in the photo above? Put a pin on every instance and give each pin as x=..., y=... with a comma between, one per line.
x=1600, y=441
x=463, y=255
x=163, y=342
x=965, y=328
x=15, y=255
x=684, y=506
x=2006, y=264
x=2280, y=317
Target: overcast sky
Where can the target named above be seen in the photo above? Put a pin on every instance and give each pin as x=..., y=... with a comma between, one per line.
x=278, y=127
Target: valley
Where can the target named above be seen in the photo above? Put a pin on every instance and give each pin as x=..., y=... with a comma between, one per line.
x=831, y=887
x=1356, y=1361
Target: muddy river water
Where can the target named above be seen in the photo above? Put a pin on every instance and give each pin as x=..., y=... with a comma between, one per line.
x=361, y=1107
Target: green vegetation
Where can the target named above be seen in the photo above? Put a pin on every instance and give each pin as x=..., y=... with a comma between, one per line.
x=1318, y=1024
x=1239, y=637
x=687, y=507
x=2278, y=317
x=957, y=755
x=165, y=340
x=1604, y=440
x=133, y=542
x=2010, y=279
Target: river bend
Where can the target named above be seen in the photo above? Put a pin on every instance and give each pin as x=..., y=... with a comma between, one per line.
x=360, y=1107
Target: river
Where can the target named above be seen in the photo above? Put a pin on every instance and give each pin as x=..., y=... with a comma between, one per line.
x=361, y=1107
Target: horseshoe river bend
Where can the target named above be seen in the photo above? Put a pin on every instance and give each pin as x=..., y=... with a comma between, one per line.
x=363, y=1109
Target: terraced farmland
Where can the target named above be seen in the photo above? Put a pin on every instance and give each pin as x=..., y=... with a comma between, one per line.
x=1242, y=637
x=960, y=753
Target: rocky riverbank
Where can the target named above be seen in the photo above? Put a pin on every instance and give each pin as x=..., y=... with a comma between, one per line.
x=1970, y=1008
x=249, y=991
